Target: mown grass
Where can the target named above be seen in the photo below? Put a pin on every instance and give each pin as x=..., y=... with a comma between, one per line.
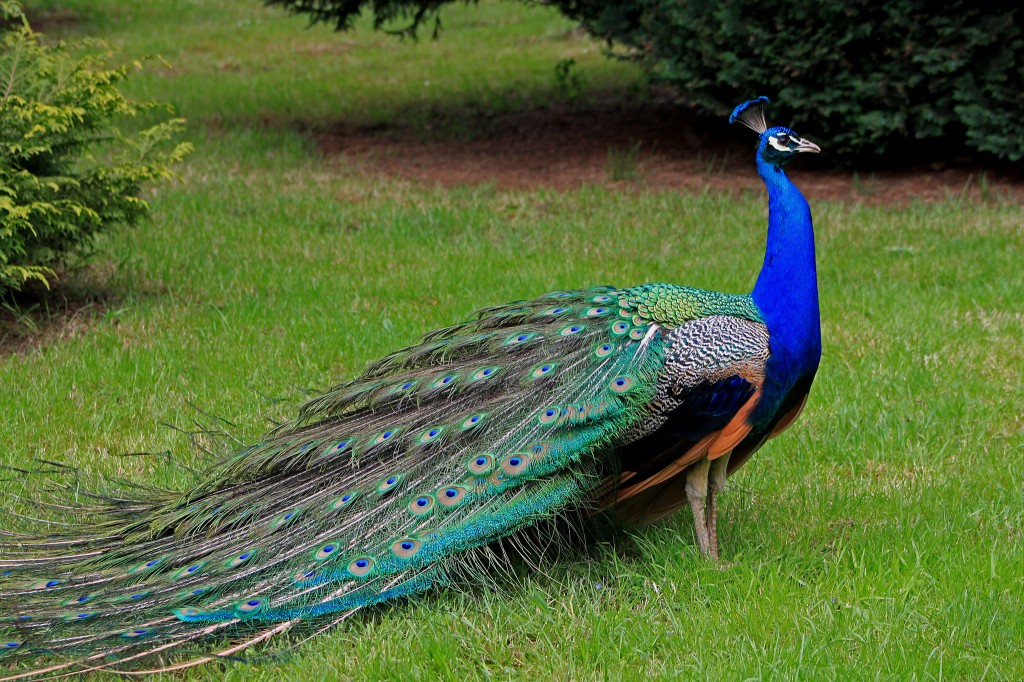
x=879, y=539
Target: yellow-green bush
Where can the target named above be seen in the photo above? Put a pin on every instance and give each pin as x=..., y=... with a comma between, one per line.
x=67, y=170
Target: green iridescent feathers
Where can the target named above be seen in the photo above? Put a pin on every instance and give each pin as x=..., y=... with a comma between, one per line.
x=672, y=305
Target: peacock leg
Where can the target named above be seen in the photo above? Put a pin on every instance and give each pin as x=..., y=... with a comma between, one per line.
x=697, y=494
x=716, y=483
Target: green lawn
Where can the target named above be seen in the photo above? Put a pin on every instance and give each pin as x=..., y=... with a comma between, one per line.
x=880, y=538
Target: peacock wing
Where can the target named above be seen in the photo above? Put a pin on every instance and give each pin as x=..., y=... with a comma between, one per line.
x=709, y=396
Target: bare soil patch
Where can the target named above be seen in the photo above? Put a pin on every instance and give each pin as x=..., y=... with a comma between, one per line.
x=38, y=316
x=31, y=325
x=564, y=149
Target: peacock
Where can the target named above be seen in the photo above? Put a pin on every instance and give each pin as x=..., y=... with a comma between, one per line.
x=634, y=401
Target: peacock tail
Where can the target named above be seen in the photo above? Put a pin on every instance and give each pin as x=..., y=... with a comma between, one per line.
x=391, y=483
x=371, y=493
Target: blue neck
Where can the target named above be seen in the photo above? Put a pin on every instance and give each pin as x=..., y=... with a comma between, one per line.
x=786, y=291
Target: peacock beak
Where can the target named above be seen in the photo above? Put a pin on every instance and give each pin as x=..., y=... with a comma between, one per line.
x=807, y=146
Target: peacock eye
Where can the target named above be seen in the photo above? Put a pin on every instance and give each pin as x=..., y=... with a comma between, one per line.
x=783, y=139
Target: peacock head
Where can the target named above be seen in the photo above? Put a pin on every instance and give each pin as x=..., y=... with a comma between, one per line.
x=779, y=145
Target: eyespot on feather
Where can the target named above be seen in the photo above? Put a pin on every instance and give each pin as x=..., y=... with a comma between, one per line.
x=385, y=436
x=558, y=310
x=406, y=547
x=485, y=373
x=516, y=339
x=539, y=450
x=190, y=570
x=473, y=420
x=621, y=384
x=515, y=464
x=343, y=501
x=75, y=601
x=421, y=505
x=242, y=558
x=360, y=567
x=404, y=386
x=190, y=594
x=187, y=614
x=549, y=415
x=74, y=617
x=284, y=519
x=339, y=447
x=430, y=434
x=303, y=576
x=481, y=464
x=137, y=633
x=146, y=566
x=250, y=606
x=543, y=370
x=126, y=598
x=389, y=483
x=444, y=381
x=451, y=495
x=326, y=552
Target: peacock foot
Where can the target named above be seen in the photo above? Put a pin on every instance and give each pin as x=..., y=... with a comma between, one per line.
x=704, y=480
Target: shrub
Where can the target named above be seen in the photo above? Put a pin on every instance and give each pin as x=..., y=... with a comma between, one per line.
x=67, y=171
x=867, y=75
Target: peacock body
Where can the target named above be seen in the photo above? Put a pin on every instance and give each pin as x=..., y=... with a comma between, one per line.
x=639, y=399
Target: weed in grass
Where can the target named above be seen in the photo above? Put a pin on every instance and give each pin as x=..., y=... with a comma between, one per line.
x=624, y=164
x=862, y=187
x=21, y=315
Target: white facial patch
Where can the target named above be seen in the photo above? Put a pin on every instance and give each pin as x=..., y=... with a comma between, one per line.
x=773, y=141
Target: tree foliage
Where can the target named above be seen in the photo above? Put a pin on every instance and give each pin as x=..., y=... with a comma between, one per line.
x=67, y=170
x=386, y=13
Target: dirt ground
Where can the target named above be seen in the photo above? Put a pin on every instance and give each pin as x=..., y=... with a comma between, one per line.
x=563, y=149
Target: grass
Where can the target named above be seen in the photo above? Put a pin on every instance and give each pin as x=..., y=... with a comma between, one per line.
x=880, y=538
